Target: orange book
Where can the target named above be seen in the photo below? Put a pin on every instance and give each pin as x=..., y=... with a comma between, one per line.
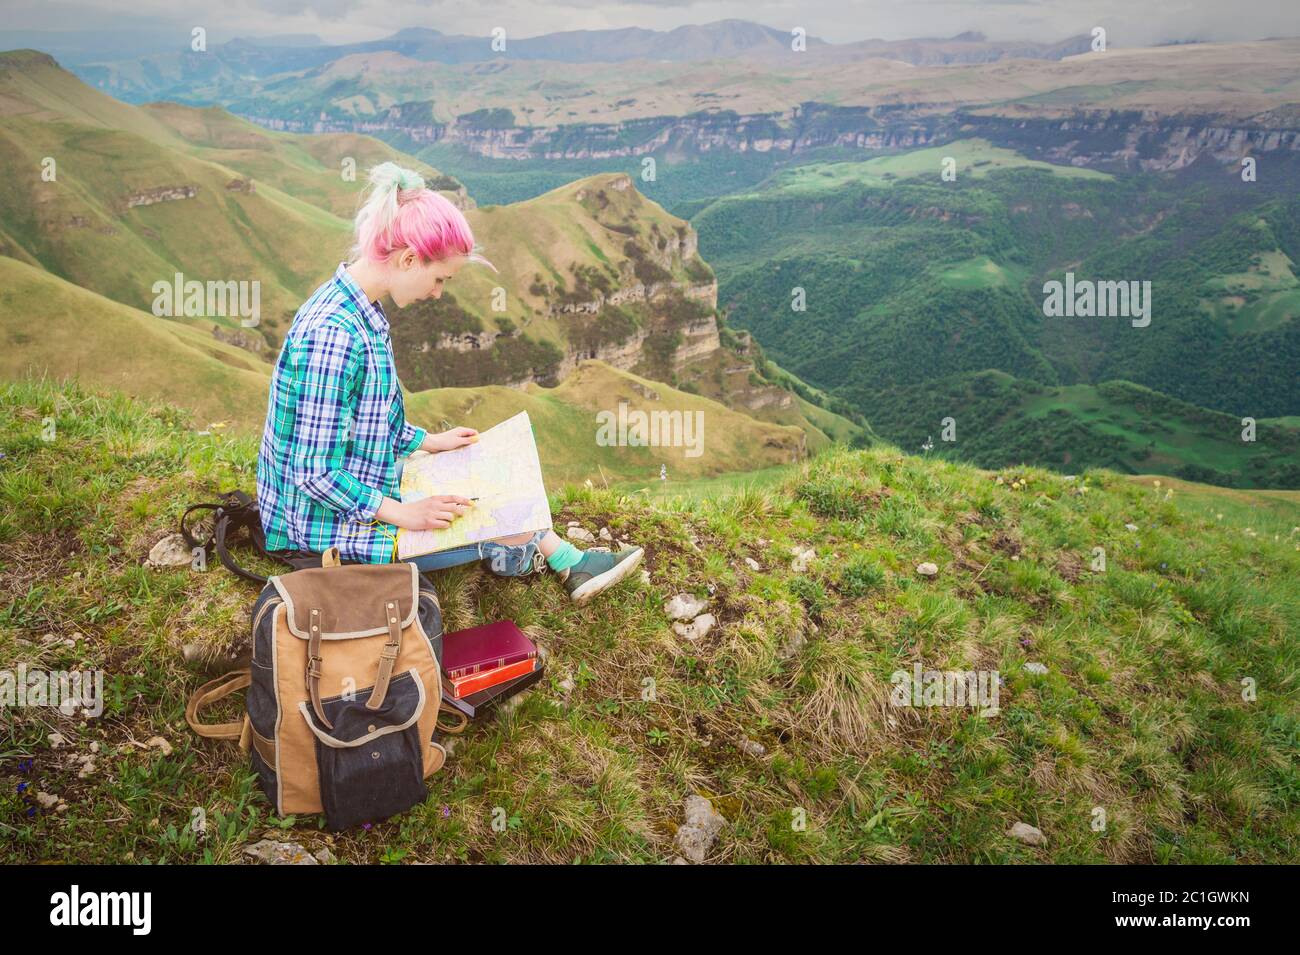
x=465, y=685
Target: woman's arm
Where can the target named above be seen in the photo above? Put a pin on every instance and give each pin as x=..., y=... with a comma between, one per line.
x=326, y=363
x=449, y=440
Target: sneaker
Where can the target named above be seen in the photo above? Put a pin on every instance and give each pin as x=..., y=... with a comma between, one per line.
x=598, y=571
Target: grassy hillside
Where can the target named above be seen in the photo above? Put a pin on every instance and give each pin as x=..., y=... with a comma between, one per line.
x=51, y=328
x=913, y=285
x=1139, y=712
x=308, y=167
x=264, y=206
x=1115, y=424
x=243, y=204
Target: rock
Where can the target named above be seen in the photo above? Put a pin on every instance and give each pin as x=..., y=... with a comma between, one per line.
x=1130, y=527
x=56, y=740
x=645, y=576
x=87, y=766
x=1027, y=834
x=697, y=628
x=158, y=743
x=268, y=852
x=567, y=685
x=1036, y=668
x=324, y=856
x=753, y=564
x=752, y=747
x=696, y=835
x=171, y=551
x=507, y=707
x=802, y=558
x=605, y=535
x=581, y=534
x=574, y=524
x=928, y=569
x=685, y=606
x=792, y=645
x=678, y=860
x=47, y=800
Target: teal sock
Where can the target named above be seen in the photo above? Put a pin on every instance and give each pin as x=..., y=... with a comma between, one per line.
x=565, y=556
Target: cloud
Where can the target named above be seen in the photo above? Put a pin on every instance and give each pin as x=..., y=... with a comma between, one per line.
x=338, y=21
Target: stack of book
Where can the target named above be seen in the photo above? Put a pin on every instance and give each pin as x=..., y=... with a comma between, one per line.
x=484, y=666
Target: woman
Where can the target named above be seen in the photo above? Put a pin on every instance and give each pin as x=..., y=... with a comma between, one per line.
x=329, y=469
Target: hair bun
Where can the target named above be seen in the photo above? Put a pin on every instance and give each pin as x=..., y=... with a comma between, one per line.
x=390, y=177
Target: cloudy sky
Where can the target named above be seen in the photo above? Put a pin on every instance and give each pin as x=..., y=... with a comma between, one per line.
x=1128, y=22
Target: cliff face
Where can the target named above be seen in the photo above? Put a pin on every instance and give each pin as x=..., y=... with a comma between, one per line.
x=1136, y=140
x=641, y=301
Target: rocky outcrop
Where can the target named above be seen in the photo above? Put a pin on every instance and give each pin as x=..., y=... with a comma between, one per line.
x=248, y=341
x=1132, y=140
x=149, y=197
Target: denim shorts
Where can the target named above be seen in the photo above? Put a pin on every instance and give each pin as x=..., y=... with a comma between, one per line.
x=505, y=560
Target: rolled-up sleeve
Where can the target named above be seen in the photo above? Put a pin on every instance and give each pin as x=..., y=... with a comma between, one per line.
x=409, y=438
x=327, y=363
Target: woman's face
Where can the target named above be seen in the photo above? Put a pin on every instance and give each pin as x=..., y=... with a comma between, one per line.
x=413, y=281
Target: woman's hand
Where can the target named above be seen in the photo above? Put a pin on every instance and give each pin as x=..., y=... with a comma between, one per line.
x=449, y=440
x=427, y=514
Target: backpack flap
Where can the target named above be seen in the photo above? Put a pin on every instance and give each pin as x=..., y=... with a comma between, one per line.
x=345, y=604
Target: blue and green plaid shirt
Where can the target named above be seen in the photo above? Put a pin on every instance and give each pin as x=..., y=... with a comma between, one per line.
x=335, y=426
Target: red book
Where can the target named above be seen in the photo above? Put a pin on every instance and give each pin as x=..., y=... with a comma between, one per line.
x=489, y=647
x=465, y=685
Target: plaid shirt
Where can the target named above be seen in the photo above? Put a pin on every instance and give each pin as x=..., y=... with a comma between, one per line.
x=335, y=426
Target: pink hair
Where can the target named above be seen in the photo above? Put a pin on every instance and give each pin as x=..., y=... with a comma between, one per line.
x=401, y=213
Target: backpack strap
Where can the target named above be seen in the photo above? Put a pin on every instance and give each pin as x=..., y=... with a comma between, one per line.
x=209, y=693
x=236, y=510
x=458, y=727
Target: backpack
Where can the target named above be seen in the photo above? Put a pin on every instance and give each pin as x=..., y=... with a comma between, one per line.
x=344, y=691
x=236, y=511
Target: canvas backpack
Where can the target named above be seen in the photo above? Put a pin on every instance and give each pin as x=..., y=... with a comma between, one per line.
x=344, y=693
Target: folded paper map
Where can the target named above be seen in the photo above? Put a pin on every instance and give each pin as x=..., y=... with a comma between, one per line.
x=500, y=469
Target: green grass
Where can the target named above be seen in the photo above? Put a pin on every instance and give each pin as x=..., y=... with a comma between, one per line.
x=974, y=157
x=982, y=272
x=1141, y=711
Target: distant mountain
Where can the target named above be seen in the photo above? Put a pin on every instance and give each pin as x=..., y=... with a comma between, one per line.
x=225, y=69
x=963, y=48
